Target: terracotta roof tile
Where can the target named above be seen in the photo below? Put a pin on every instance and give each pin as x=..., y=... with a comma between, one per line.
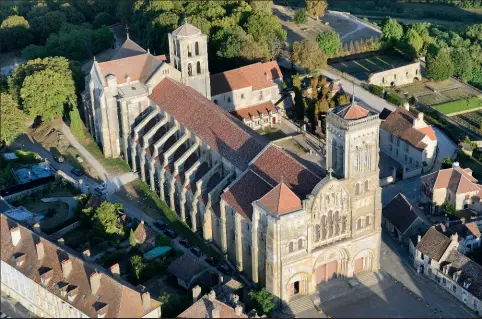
x=258, y=76
x=203, y=309
x=217, y=128
x=144, y=233
x=429, y=132
x=255, y=111
x=129, y=48
x=456, y=179
x=122, y=299
x=281, y=200
x=353, y=112
x=249, y=188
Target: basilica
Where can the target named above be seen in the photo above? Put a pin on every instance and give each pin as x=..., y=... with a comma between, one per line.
x=191, y=136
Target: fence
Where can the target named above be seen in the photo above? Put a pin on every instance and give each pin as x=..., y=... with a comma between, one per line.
x=64, y=230
x=27, y=188
x=411, y=173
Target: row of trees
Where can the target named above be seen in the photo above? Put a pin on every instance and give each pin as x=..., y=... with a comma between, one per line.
x=447, y=53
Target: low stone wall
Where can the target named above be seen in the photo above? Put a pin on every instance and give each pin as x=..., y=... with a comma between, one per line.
x=64, y=230
x=387, y=181
x=411, y=173
x=25, y=192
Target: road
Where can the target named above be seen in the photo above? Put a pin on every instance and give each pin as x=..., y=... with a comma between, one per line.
x=12, y=308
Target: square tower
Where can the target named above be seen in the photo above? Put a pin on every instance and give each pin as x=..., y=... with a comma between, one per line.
x=188, y=49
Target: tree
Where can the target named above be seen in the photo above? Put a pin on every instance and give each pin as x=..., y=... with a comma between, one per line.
x=316, y=8
x=13, y=121
x=329, y=42
x=102, y=39
x=132, y=238
x=34, y=52
x=264, y=5
x=299, y=103
x=44, y=26
x=72, y=14
x=102, y=19
x=263, y=300
x=308, y=55
x=412, y=43
x=463, y=66
x=15, y=33
x=439, y=65
x=392, y=31
x=449, y=209
x=44, y=87
x=264, y=26
x=73, y=42
x=137, y=265
x=474, y=31
x=321, y=107
x=301, y=17
x=105, y=220
x=342, y=99
x=162, y=240
x=76, y=124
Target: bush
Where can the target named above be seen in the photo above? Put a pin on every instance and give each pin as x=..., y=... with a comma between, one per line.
x=101, y=19
x=377, y=90
x=301, y=17
x=394, y=99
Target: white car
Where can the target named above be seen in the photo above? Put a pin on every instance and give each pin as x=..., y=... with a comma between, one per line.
x=101, y=189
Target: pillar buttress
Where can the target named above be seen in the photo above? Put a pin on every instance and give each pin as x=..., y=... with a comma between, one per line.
x=254, y=249
x=208, y=225
x=224, y=241
x=239, y=241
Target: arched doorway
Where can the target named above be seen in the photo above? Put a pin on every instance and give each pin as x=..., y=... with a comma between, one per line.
x=298, y=285
x=326, y=272
x=331, y=264
x=363, y=261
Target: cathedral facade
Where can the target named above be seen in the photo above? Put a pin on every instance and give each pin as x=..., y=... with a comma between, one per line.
x=284, y=226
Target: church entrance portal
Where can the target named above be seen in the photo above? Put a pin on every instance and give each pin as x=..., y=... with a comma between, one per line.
x=296, y=288
x=358, y=265
x=326, y=272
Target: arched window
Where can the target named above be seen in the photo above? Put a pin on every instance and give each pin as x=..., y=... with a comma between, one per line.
x=198, y=67
x=175, y=64
x=323, y=227
x=317, y=232
x=337, y=223
x=330, y=223
x=358, y=189
x=300, y=243
x=290, y=247
x=367, y=221
x=189, y=50
x=359, y=223
x=189, y=69
x=367, y=185
x=196, y=48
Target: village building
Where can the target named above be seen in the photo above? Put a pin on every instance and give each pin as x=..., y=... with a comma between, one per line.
x=455, y=186
x=51, y=281
x=284, y=226
x=145, y=236
x=409, y=140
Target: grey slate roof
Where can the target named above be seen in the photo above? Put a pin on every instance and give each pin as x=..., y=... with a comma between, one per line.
x=433, y=244
x=401, y=213
x=470, y=270
x=186, y=268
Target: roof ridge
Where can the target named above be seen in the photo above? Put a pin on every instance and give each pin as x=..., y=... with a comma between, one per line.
x=299, y=163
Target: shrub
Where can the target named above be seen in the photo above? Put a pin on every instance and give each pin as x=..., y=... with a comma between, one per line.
x=377, y=90
x=394, y=99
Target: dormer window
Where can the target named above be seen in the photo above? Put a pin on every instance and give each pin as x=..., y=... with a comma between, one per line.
x=467, y=283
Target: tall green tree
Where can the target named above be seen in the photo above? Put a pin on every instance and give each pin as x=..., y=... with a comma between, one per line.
x=101, y=19
x=463, y=65
x=316, y=8
x=264, y=301
x=102, y=39
x=132, y=238
x=439, y=65
x=13, y=121
x=299, y=100
x=137, y=265
x=412, y=43
x=264, y=5
x=392, y=31
x=105, y=220
x=76, y=124
x=44, y=26
x=308, y=55
x=15, y=33
x=264, y=26
x=474, y=31
x=329, y=42
x=301, y=17
x=33, y=51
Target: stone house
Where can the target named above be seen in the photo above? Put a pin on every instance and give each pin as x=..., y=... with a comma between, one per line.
x=454, y=185
x=249, y=93
x=187, y=270
x=409, y=140
x=402, y=75
x=286, y=227
x=404, y=219
x=145, y=236
x=53, y=282
x=437, y=256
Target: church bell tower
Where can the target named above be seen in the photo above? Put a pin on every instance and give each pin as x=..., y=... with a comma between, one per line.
x=188, y=49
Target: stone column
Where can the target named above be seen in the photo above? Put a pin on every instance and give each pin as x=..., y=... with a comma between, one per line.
x=208, y=225
x=239, y=242
x=162, y=179
x=309, y=237
x=172, y=191
x=151, y=175
x=183, y=204
x=143, y=167
x=224, y=241
x=134, y=155
x=194, y=216
x=254, y=247
x=125, y=131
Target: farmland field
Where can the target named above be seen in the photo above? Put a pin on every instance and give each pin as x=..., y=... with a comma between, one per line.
x=470, y=120
x=459, y=106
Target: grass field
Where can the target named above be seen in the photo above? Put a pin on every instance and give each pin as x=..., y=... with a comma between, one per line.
x=362, y=68
x=459, y=106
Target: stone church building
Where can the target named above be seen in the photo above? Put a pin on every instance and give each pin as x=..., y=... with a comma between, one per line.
x=283, y=225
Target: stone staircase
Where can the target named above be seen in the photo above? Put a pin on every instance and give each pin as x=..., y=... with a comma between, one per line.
x=331, y=290
x=368, y=279
x=297, y=305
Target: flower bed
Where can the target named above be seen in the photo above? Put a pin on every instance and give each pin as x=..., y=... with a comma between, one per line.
x=472, y=120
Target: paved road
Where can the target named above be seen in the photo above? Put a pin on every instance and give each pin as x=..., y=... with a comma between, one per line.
x=12, y=308
x=409, y=187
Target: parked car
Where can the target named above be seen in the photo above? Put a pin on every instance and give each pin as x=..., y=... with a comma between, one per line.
x=196, y=251
x=170, y=233
x=77, y=171
x=211, y=261
x=59, y=158
x=101, y=189
x=185, y=243
x=225, y=269
x=160, y=225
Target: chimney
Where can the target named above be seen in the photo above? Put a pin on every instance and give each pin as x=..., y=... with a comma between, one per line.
x=95, y=282
x=238, y=310
x=36, y=228
x=455, y=238
x=40, y=250
x=196, y=293
x=455, y=164
x=146, y=301
x=212, y=296
x=420, y=116
x=142, y=222
x=111, y=80
x=86, y=254
x=221, y=279
x=115, y=270
x=73, y=293
x=66, y=267
x=15, y=233
x=235, y=299
x=406, y=106
x=266, y=75
x=419, y=238
x=61, y=241
x=216, y=313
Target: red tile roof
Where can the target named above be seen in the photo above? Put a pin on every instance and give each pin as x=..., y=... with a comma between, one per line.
x=255, y=111
x=216, y=127
x=122, y=299
x=258, y=76
x=274, y=163
x=353, y=112
x=138, y=68
x=457, y=180
x=281, y=200
x=204, y=307
x=129, y=48
x=400, y=123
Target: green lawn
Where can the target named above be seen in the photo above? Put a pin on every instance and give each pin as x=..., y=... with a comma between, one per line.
x=272, y=133
x=458, y=106
x=112, y=165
